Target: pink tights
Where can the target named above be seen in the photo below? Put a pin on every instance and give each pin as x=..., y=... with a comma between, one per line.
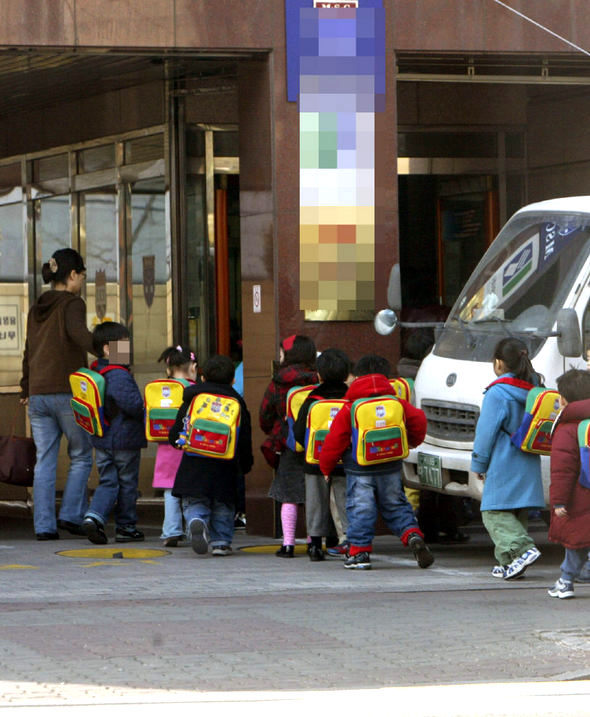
x=288, y=522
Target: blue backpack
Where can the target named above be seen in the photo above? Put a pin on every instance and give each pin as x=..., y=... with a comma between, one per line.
x=584, y=444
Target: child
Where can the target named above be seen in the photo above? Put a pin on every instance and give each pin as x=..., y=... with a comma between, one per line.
x=512, y=477
x=296, y=368
x=118, y=452
x=570, y=501
x=376, y=487
x=207, y=485
x=182, y=364
x=333, y=367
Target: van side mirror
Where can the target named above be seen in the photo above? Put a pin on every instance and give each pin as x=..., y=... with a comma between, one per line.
x=394, y=289
x=569, y=339
x=385, y=322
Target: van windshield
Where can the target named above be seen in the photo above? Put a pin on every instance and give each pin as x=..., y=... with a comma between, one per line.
x=518, y=286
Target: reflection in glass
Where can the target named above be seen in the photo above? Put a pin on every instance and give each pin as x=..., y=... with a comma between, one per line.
x=13, y=258
x=14, y=292
x=518, y=287
x=150, y=261
x=52, y=228
x=196, y=261
x=96, y=158
x=98, y=224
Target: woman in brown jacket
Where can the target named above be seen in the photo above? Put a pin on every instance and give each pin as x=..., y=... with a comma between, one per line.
x=57, y=344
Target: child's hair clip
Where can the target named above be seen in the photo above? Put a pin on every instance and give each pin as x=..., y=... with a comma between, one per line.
x=193, y=357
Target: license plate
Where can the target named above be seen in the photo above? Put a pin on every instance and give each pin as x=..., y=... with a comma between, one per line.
x=430, y=470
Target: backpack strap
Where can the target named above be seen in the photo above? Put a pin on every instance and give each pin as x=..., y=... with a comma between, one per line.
x=111, y=410
x=111, y=367
x=519, y=383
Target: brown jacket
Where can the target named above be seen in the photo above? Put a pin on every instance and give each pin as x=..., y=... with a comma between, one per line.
x=57, y=343
x=573, y=530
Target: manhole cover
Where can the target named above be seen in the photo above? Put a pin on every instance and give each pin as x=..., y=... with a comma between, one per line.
x=114, y=553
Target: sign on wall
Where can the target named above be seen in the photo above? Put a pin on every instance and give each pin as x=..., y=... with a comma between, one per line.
x=9, y=328
x=336, y=72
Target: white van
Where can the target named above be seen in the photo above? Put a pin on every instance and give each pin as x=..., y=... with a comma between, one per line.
x=532, y=283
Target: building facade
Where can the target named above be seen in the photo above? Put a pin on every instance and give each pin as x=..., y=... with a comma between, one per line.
x=164, y=140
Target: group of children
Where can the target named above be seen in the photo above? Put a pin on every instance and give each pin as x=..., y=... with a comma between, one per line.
x=201, y=491
x=342, y=493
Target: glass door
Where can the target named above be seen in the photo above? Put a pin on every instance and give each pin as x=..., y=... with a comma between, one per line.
x=99, y=244
x=149, y=266
x=52, y=230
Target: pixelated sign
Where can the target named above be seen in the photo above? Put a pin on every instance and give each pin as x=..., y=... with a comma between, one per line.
x=336, y=73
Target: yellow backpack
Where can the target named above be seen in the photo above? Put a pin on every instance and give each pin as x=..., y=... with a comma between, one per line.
x=402, y=387
x=378, y=430
x=295, y=399
x=88, y=398
x=213, y=426
x=319, y=419
x=162, y=399
x=534, y=433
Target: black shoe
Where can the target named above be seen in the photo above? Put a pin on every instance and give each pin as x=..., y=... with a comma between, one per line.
x=423, y=556
x=94, y=531
x=240, y=521
x=315, y=554
x=72, y=528
x=47, y=536
x=286, y=551
x=199, y=536
x=129, y=534
x=360, y=561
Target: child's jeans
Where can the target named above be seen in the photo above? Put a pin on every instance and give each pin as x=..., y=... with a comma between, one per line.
x=574, y=561
x=119, y=475
x=218, y=516
x=368, y=493
x=172, y=525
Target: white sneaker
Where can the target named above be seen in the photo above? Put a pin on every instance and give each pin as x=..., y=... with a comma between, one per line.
x=520, y=564
x=498, y=571
x=561, y=589
x=221, y=550
x=199, y=536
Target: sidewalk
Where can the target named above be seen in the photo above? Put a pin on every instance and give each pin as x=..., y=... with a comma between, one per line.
x=273, y=633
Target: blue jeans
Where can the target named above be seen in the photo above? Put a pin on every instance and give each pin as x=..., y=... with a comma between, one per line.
x=573, y=563
x=368, y=493
x=51, y=417
x=119, y=475
x=172, y=525
x=218, y=516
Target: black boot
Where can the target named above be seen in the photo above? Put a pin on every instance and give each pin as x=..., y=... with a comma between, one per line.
x=286, y=551
x=315, y=553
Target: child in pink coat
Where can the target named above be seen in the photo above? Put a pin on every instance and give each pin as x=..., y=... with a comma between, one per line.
x=182, y=364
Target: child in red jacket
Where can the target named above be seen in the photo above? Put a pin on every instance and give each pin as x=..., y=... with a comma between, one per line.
x=570, y=501
x=376, y=487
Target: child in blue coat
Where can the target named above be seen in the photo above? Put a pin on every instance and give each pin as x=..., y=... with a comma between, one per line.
x=512, y=478
x=118, y=452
